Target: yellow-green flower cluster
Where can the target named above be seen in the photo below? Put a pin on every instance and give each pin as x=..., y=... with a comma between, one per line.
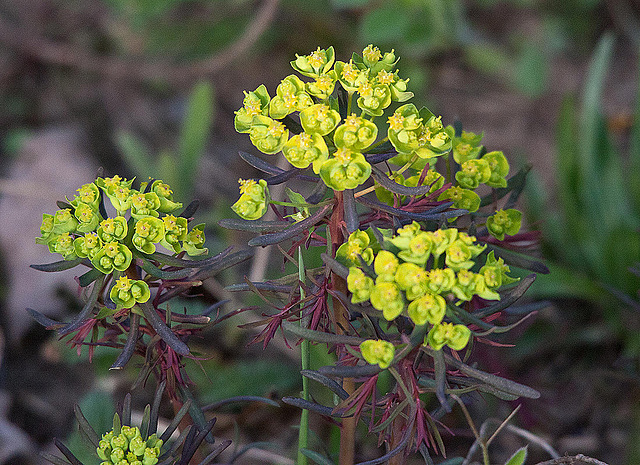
x=334, y=146
x=128, y=448
x=127, y=292
x=81, y=231
x=378, y=352
x=418, y=271
x=254, y=199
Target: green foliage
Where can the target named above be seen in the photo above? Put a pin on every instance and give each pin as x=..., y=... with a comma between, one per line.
x=518, y=458
x=593, y=238
x=175, y=167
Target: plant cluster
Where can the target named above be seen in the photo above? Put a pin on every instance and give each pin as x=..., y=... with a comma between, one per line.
x=419, y=231
x=127, y=280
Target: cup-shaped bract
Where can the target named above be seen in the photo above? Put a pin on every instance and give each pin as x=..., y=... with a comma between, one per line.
x=359, y=285
x=112, y=255
x=113, y=229
x=148, y=232
x=346, y=170
x=254, y=199
x=377, y=352
x=504, y=222
x=255, y=103
x=268, y=135
x=316, y=63
x=454, y=336
x=304, y=149
x=290, y=96
x=430, y=308
x=194, y=242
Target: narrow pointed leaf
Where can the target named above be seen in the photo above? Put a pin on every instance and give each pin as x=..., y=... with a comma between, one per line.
x=81, y=317
x=316, y=457
x=58, y=266
x=162, y=329
x=334, y=386
x=86, y=428
x=424, y=216
x=259, y=226
x=396, y=188
x=293, y=230
x=518, y=458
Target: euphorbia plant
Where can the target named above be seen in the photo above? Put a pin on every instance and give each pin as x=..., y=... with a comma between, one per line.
x=419, y=233
x=137, y=251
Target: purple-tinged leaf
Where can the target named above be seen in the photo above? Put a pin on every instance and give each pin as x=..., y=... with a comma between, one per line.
x=293, y=230
x=61, y=265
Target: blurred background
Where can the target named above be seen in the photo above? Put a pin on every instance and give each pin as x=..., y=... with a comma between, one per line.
x=148, y=88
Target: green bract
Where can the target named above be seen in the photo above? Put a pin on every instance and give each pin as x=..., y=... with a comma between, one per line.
x=373, y=98
x=323, y=86
x=290, y=97
x=462, y=198
x=319, y=119
x=127, y=292
x=165, y=195
x=148, y=232
x=346, y=170
x=175, y=230
x=387, y=297
x=356, y=246
x=64, y=222
x=87, y=246
x=472, y=173
x=113, y=229
x=504, y=222
x=454, y=336
x=304, y=149
x=254, y=199
x=466, y=147
x=63, y=244
x=88, y=218
x=88, y=194
x=314, y=64
x=112, y=255
x=499, y=167
x=350, y=76
x=144, y=204
x=128, y=448
x=377, y=352
x=404, y=128
x=429, y=308
x=359, y=285
x=495, y=272
x=255, y=103
x=355, y=133
x=469, y=284
x=118, y=190
x=194, y=243
x=268, y=135
x=385, y=265
x=412, y=279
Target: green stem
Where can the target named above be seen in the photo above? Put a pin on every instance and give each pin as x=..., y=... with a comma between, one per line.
x=408, y=164
x=349, y=103
x=380, y=142
x=448, y=167
x=303, y=433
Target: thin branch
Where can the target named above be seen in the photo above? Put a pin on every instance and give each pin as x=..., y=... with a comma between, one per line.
x=63, y=54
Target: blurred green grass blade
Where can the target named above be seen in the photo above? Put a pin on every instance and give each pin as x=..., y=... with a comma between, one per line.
x=590, y=117
x=518, y=458
x=566, y=282
x=135, y=154
x=193, y=135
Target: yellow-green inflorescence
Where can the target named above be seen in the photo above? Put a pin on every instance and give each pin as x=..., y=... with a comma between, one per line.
x=416, y=274
x=81, y=231
x=331, y=144
x=127, y=447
